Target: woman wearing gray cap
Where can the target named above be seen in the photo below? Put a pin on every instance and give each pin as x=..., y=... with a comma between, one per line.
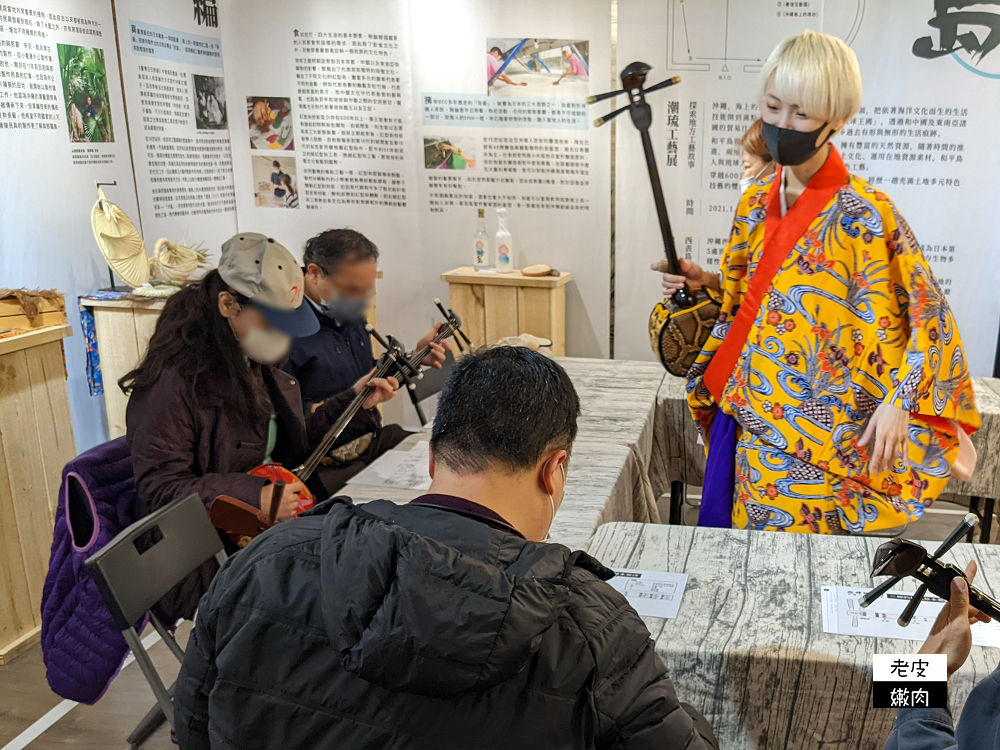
x=208, y=402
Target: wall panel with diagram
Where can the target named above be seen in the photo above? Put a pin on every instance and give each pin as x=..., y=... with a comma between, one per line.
x=925, y=135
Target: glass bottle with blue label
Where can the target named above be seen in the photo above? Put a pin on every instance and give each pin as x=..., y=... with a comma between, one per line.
x=481, y=243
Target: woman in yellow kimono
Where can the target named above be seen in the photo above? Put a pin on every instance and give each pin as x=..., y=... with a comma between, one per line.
x=835, y=350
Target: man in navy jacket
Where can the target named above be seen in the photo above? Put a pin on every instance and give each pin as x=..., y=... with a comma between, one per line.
x=340, y=272
x=933, y=728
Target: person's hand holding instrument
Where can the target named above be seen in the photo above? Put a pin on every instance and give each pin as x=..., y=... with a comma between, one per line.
x=385, y=389
x=437, y=351
x=952, y=632
x=680, y=325
x=888, y=425
x=693, y=274
x=243, y=522
x=968, y=524
x=279, y=500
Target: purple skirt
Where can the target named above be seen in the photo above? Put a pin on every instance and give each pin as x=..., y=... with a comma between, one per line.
x=720, y=474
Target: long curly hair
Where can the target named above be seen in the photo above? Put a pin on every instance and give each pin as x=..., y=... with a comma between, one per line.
x=193, y=339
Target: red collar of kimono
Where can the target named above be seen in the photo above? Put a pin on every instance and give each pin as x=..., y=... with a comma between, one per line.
x=780, y=235
x=785, y=231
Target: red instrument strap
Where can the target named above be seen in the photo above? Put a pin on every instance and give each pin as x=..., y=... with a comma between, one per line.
x=780, y=236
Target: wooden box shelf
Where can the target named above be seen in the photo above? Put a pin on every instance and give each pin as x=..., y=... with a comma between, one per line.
x=494, y=306
x=36, y=441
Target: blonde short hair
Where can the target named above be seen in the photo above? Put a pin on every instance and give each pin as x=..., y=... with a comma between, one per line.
x=818, y=72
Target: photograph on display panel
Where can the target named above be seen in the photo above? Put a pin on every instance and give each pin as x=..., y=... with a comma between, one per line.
x=270, y=121
x=85, y=94
x=538, y=67
x=449, y=153
x=210, y=103
x=275, y=182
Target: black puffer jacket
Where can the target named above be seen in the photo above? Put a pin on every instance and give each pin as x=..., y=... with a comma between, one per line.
x=389, y=627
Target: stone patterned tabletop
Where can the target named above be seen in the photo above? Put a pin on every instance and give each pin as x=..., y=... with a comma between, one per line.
x=748, y=648
x=677, y=456
x=617, y=400
x=608, y=477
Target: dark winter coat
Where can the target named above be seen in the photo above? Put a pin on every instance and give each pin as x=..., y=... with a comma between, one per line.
x=384, y=627
x=331, y=360
x=184, y=442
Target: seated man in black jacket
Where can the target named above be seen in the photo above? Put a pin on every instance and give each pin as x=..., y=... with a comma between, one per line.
x=444, y=623
x=340, y=271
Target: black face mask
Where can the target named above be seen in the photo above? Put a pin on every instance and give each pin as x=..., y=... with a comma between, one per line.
x=792, y=147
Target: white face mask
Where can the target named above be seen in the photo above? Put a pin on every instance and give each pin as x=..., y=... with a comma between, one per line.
x=746, y=182
x=552, y=506
x=265, y=347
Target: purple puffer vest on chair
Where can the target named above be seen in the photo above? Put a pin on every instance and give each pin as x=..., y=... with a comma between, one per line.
x=82, y=648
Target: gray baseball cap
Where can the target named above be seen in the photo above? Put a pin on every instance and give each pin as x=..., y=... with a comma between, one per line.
x=268, y=275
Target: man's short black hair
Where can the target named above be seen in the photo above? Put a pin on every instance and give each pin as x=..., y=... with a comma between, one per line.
x=497, y=50
x=503, y=408
x=331, y=248
x=276, y=164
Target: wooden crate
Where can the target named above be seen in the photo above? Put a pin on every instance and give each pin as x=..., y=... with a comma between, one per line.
x=36, y=441
x=494, y=306
x=51, y=313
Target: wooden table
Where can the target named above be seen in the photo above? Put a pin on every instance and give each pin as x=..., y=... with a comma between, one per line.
x=36, y=441
x=678, y=458
x=617, y=400
x=748, y=649
x=608, y=476
x=494, y=306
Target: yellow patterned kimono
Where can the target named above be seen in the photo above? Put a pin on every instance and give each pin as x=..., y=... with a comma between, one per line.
x=853, y=318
